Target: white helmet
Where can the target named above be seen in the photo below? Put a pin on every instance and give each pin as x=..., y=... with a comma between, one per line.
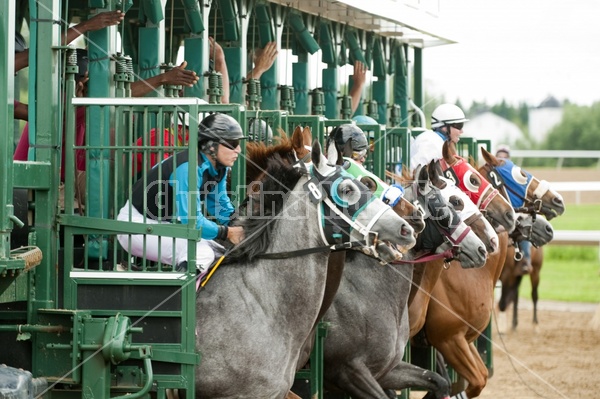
x=447, y=114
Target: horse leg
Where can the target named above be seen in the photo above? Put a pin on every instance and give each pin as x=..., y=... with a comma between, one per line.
x=465, y=360
x=357, y=381
x=537, y=259
x=406, y=375
x=515, y=302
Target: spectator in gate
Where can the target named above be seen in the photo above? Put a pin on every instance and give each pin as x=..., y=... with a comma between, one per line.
x=503, y=152
x=156, y=201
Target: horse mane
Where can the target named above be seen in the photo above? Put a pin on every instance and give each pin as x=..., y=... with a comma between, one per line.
x=258, y=155
x=403, y=180
x=279, y=178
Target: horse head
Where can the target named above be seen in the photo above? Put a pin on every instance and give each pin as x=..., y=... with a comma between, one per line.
x=521, y=188
x=495, y=207
x=536, y=230
x=443, y=222
x=447, y=211
x=359, y=212
x=395, y=195
x=466, y=209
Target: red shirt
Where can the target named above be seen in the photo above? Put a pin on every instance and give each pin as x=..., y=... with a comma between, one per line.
x=22, y=150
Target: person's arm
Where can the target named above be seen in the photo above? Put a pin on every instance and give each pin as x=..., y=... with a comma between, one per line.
x=177, y=76
x=263, y=60
x=21, y=60
x=218, y=57
x=21, y=111
x=359, y=77
x=97, y=22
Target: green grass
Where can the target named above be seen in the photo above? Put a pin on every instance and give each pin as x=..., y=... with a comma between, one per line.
x=570, y=273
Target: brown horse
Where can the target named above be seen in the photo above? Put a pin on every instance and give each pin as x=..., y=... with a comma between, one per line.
x=426, y=275
x=511, y=278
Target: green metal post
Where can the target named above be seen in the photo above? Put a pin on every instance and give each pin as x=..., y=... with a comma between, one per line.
x=194, y=55
x=46, y=132
x=418, y=96
x=300, y=82
x=98, y=132
x=401, y=84
x=7, y=65
x=330, y=90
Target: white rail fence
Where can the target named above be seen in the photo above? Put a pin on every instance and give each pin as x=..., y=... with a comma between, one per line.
x=577, y=187
x=559, y=155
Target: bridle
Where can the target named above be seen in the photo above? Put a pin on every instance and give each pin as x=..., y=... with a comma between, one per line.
x=337, y=216
x=508, y=178
x=460, y=172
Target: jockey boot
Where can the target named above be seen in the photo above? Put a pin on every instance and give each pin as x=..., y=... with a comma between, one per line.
x=181, y=267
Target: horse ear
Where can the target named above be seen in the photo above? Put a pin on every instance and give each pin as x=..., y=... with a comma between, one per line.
x=489, y=158
x=333, y=155
x=434, y=174
x=446, y=152
x=306, y=136
x=422, y=177
x=316, y=153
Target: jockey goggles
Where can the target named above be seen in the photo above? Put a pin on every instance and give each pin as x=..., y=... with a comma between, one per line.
x=359, y=155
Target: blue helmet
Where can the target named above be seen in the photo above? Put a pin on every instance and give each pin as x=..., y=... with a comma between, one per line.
x=364, y=120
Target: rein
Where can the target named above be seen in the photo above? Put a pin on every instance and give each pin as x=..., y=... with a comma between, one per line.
x=448, y=255
x=306, y=251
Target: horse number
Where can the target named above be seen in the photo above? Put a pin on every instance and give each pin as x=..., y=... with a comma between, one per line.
x=495, y=179
x=315, y=191
x=450, y=176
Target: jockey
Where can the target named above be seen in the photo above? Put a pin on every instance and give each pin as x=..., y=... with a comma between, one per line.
x=163, y=197
x=351, y=141
x=503, y=152
x=447, y=122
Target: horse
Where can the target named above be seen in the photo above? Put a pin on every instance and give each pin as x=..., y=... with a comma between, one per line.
x=364, y=359
x=464, y=301
x=427, y=275
x=256, y=312
x=524, y=191
x=532, y=196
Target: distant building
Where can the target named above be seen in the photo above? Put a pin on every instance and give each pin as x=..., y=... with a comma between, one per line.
x=489, y=126
x=544, y=117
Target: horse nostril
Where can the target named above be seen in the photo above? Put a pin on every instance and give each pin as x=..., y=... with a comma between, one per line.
x=404, y=231
x=494, y=244
x=482, y=251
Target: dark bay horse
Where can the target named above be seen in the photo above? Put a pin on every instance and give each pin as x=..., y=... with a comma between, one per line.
x=256, y=313
x=539, y=232
x=368, y=318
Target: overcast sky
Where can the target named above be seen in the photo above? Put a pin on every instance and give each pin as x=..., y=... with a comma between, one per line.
x=518, y=50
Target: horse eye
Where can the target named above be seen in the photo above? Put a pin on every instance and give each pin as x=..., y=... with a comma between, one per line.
x=518, y=175
x=370, y=183
x=472, y=181
x=349, y=192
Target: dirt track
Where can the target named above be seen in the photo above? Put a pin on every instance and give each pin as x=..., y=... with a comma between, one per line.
x=556, y=360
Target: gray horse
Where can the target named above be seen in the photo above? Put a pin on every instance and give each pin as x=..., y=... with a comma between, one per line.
x=255, y=314
x=368, y=319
